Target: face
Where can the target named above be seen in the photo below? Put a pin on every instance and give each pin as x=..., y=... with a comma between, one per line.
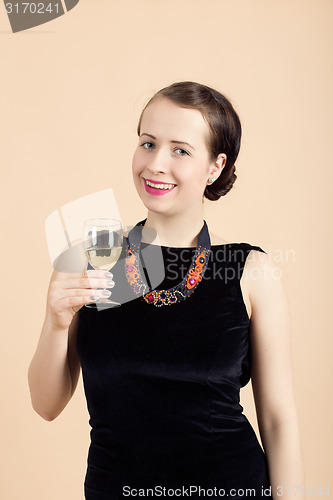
x=171, y=164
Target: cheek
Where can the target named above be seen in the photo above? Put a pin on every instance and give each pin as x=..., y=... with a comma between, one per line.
x=136, y=163
x=195, y=176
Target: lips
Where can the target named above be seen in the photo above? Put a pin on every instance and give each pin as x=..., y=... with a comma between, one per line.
x=158, y=188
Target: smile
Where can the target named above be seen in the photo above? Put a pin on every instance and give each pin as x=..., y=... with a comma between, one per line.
x=158, y=188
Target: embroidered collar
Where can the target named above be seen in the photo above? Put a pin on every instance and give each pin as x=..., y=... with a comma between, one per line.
x=179, y=292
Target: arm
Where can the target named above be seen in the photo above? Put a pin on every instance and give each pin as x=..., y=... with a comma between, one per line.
x=272, y=374
x=55, y=368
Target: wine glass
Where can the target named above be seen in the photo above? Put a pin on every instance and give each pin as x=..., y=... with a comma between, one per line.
x=102, y=244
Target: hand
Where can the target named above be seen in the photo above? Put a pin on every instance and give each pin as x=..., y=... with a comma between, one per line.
x=68, y=292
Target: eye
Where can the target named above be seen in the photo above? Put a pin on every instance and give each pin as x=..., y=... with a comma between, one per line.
x=183, y=152
x=147, y=145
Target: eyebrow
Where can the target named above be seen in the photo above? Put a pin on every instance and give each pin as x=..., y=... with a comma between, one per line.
x=173, y=142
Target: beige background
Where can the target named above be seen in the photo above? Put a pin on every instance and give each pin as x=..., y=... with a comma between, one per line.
x=71, y=93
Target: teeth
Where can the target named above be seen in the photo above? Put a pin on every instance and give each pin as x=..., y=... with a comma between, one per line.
x=160, y=186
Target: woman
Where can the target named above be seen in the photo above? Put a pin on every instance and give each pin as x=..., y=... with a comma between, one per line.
x=162, y=373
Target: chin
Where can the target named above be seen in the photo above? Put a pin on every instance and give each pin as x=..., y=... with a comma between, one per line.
x=154, y=207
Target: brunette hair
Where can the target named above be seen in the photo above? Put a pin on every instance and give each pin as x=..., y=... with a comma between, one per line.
x=223, y=121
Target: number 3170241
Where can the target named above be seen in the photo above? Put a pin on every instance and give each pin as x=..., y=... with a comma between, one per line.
x=31, y=8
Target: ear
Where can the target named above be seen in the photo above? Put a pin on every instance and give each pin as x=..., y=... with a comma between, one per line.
x=217, y=166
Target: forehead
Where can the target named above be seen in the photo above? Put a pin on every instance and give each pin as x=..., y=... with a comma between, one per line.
x=166, y=120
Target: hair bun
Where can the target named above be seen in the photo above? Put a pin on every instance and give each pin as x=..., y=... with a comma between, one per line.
x=222, y=185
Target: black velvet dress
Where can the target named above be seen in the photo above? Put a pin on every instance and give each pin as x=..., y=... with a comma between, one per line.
x=162, y=387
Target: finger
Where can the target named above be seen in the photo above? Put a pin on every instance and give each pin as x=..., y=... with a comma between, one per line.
x=84, y=283
x=76, y=302
x=83, y=293
x=88, y=273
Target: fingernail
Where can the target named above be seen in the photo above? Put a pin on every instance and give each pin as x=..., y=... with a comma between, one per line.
x=110, y=283
x=106, y=292
x=108, y=275
x=94, y=297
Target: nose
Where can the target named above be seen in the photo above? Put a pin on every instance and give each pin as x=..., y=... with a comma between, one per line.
x=158, y=162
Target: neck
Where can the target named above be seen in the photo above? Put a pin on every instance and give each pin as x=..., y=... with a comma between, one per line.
x=175, y=231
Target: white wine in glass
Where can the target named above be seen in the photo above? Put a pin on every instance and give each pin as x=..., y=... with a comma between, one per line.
x=102, y=244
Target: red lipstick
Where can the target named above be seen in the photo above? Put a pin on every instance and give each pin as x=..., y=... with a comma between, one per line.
x=158, y=191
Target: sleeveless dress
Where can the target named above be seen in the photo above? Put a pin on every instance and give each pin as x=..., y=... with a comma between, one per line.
x=162, y=387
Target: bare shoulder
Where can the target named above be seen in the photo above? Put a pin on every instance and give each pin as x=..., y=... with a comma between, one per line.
x=262, y=282
x=260, y=266
x=216, y=240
